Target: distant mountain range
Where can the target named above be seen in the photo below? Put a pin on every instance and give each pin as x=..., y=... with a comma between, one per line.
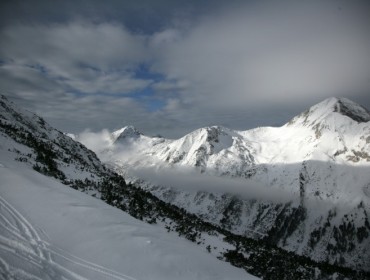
x=335, y=130
x=321, y=158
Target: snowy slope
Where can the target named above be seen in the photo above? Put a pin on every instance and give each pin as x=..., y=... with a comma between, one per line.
x=50, y=231
x=62, y=157
x=320, y=159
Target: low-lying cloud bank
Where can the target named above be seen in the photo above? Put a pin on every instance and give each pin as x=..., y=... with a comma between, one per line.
x=183, y=178
x=96, y=141
x=135, y=164
x=190, y=180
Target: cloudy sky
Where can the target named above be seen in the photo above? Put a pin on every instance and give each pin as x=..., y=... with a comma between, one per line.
x=168, y=67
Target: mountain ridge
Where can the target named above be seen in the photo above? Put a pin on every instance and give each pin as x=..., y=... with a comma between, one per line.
x=316, y=156
x=341, y=105
x=319, y=133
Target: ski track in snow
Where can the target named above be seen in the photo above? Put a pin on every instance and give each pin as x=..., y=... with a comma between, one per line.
x=19, y=240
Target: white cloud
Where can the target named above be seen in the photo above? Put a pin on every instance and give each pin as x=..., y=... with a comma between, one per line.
x=102, y=45
x=189, y=180
x=271, y=52
x=80, y=56
x=95, y=141
x=116, y=82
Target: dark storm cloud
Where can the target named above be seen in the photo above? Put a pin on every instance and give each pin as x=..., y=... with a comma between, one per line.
x=57, y=70
x=75, y=52
x=145, y=16
x=239, y=64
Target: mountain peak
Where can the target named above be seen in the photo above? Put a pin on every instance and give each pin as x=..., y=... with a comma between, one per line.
x=343, y=106
x=127, y=132
x=336, y=105
x=352, y=110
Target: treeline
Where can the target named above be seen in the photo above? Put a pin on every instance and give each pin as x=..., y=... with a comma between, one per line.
x=258, y=257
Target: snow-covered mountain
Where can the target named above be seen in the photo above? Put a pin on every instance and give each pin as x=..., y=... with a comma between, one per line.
x=321, y=158
x=334, y=130
x=48, y=230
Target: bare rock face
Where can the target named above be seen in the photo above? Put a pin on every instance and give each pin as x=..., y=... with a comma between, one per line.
x=352, y=110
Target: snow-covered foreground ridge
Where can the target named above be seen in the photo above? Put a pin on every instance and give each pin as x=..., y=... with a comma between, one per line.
x=51, y=231
x=69, y=235
x=319, y=161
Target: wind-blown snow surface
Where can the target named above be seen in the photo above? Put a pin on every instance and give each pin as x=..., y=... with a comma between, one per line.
x=319, y=161
x=50, y=231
